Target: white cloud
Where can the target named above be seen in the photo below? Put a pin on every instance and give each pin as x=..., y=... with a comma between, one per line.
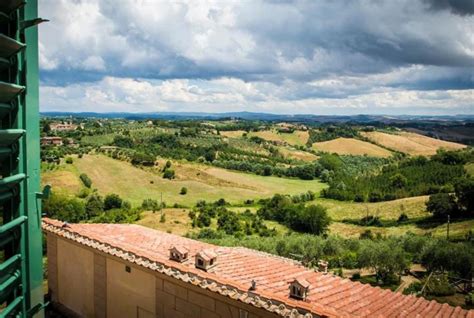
x=229, y=94
x=275, y=56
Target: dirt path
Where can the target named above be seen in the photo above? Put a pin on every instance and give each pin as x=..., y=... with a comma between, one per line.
x=406, y=281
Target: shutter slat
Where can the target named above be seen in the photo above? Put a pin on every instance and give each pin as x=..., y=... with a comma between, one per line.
x=9, y=91
x=8, y=6
x=9, y=47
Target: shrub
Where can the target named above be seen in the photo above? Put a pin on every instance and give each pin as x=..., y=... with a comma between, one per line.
x=356, y=276
x=413, y=288
x=203, y=220
x=150, y=204
x=168, y=174
x=439, y=286
x=83, y=193
x=469, y=299
x=112, y=201
x=370, y=220
x=183, y=191
x=209, y=234
x=163, y=218
x=402, y=218
x=69, y=160
x=85, y=180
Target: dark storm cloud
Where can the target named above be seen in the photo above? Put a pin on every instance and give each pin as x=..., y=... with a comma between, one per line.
x=461, y=7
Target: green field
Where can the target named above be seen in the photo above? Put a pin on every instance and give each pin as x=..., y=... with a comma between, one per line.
x=389, y=210
x=203, y=182
x=457, y=230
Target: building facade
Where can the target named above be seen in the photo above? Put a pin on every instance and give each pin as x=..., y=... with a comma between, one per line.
x=124, y=270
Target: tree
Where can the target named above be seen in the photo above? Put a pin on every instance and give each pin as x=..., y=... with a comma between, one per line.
x=144, y=159
x=464, y=190
x=85, y=180
x=123, y=141
x=183, y=191
x=210, y=155
x=46, y=128
x=441, y=204
x=64, y=208
x=150, y=204
x=203, y=220
x=228, y=222
x=317, y=219
x=94, y=205
x=112, y=201
x=398, y=181
x=386, y=258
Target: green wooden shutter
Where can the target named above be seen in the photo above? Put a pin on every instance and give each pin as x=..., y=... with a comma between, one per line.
x=21, y=276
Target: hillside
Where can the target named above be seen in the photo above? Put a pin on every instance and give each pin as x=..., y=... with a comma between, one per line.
x=411, y=143
x=203, y=182
x=351, y=146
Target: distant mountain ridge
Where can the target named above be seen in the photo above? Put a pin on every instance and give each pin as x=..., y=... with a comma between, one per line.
x=266, y=116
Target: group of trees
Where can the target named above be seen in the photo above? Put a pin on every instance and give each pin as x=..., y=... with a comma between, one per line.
x=388, y=257
x=409, y=177
x=188, y=144
x=228, y=222
x=331, y=132
x=311, y=219
x=457, y=204
x=111, y=209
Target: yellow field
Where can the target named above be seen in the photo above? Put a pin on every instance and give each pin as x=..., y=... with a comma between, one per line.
x=389, y=210
x=297, y=138
x=297, y=154
x=65, y=179
x=232, y=133
x=411, y=143
x=203, y=182
x=351, y=146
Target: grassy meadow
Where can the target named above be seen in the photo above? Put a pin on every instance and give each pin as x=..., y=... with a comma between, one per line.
x=203, y=182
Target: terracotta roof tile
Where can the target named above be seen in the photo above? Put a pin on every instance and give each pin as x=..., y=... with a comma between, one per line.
x=328, y=296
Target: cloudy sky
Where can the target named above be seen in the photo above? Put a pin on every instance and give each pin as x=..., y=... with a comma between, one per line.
x=318, y=57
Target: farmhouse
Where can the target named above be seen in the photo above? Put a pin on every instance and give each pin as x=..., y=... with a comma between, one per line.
x=125, y=270
x=57, y=141
x=63, y=126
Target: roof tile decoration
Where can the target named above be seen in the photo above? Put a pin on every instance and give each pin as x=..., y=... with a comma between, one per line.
x=329, y=295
